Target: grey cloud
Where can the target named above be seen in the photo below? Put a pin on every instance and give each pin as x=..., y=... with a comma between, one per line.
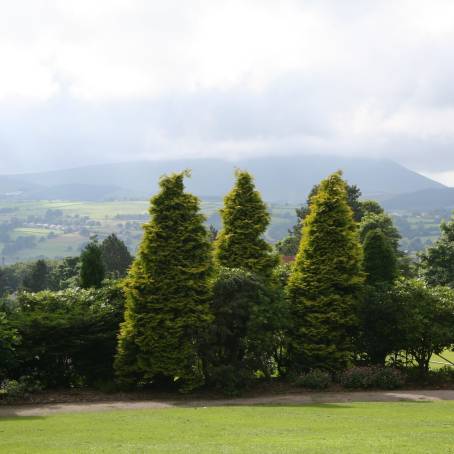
x=388, y=92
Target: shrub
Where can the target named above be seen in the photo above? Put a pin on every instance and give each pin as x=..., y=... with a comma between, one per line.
x=12, y=390
x=440, y=377
x=372, y=377
x=445, y=375
x=230, y=380
x=67, y=337
x=9, y=340
x=388, y=378
x=246, y=335
x=315, y=379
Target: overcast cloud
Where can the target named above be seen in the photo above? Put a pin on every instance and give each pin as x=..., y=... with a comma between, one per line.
x=86, y=81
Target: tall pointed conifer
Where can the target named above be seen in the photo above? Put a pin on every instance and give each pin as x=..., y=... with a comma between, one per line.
x=325, y=282
x=245, y=218
x=380, y=260
x=167, y=292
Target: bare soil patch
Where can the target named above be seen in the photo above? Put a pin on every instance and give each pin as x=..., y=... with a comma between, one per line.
x=301, y=398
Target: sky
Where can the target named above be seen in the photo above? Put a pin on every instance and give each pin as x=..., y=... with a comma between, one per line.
x=86, y=82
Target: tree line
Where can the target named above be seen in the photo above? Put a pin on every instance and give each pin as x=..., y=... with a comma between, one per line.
x=199, y=307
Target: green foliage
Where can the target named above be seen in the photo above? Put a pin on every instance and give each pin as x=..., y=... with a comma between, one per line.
x=65, y=274
x=382, y=323
x=380, y=261
x=353, y=195
x=246, y=334
x=379, y=221
x=281, y=274
x=315, y=379
x=372, y=377
x=290, y=244
x=13, y=390
x=167, y=293
x=67, y=337
x=245, y=219
x=437, y=262
x=92, y=270
x=326, y=281
x=371, y=206
x=428, y=321
x=38, y=277
x=8, y=341
x=116, y=258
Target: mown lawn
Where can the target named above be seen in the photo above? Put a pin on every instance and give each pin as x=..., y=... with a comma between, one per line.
x=351, y=428
x=437, y=360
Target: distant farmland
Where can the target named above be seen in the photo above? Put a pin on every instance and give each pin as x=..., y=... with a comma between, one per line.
x=59, y=228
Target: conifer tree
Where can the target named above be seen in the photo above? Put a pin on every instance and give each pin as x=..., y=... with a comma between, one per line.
x=167, y=292
x=437, y=262
x=325, y=282
x=380, y=260
x=38, y=277
x=115, y=256
x=92, y=270
x=245, y=219
x=379, y=315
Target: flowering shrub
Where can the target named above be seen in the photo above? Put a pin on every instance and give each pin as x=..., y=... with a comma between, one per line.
x=315, y=379
x=372, y=377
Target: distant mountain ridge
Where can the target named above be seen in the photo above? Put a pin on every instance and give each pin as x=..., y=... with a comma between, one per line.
x=280, y=179
x=425, y=200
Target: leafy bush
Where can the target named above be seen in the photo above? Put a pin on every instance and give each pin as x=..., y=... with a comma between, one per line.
x=388, y=378
x=372, y=377
x=440, y=377
x=315, y=379
x=68, y=338
x=445, y=375
x=9, y=339
x=230, y=380
x=246, y=335
x=12, y=390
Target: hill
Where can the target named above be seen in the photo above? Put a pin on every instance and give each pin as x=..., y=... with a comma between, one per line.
x=424, y=200
x=285, y=178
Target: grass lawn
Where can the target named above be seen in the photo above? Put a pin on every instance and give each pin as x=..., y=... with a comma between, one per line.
x=351, y=428
x=449, y=355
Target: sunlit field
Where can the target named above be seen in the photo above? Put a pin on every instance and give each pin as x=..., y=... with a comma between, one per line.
x=350, y=428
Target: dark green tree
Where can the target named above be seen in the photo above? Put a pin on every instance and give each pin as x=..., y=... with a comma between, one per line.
x=115, y=256
x=65, y=274
x=246, y=334
x=326, y=281
x=67, y=337
x=383, y=222
x=213, y=233
x=92, y=270
x=380, y=261
x=371, y=206
x=38, y=277
x=382, y=321
x=379, y=316
x=167, y=293
x=427, y=325
x=9, y=339
x=240, y=243
x=437, y=262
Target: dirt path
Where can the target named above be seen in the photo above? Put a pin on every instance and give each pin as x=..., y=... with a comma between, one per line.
x=294, y=399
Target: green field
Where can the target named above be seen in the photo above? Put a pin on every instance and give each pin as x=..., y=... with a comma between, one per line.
x=436, y=360
x=418, y=231
x=124, y=218
x=324, y=428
